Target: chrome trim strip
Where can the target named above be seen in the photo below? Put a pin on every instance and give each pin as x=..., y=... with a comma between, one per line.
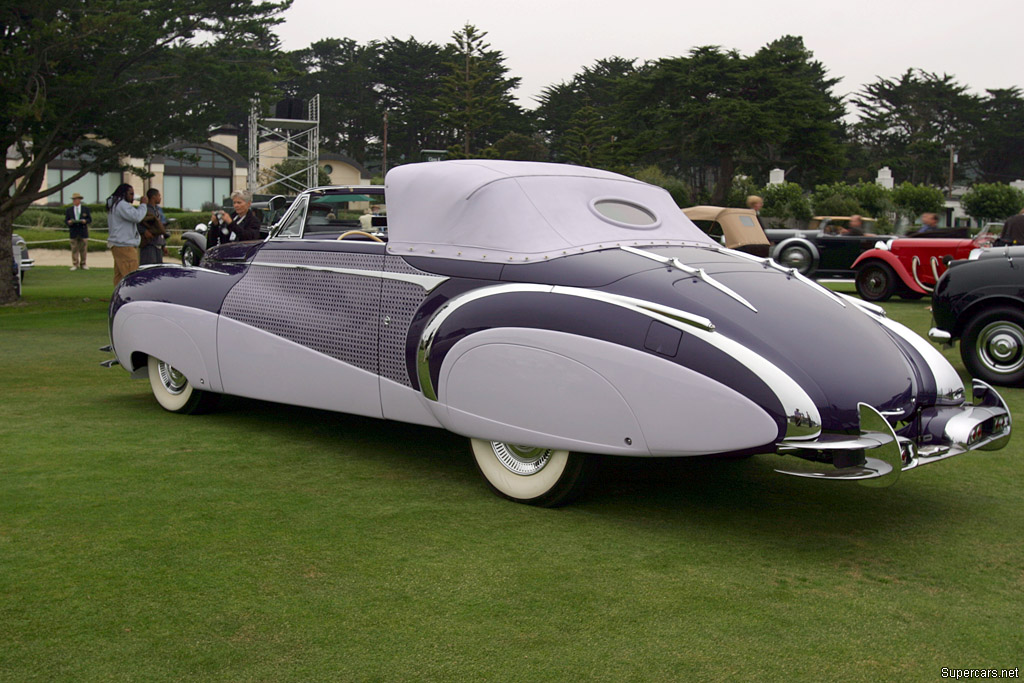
x=803, y=421
x=914, y=263
x=427, y=282
x=698, y=273
x=178, y=265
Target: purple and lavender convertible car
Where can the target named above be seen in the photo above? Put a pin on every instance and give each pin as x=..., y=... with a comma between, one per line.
x=548, y=312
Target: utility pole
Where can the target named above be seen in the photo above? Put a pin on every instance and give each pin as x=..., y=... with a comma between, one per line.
x=384, y=159
x=952, y=160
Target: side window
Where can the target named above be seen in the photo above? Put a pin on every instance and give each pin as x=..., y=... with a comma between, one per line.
x=292, y=225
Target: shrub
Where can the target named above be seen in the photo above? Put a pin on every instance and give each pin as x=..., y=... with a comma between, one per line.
x=992, y=201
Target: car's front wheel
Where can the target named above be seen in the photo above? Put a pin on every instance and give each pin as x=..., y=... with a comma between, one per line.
x=190, y=254
x=992, y=346
x=175, y=393
x=797, y=256
x=876, y=281
x=525, y=474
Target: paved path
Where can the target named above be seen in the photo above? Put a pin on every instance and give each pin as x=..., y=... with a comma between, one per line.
x=62, y=257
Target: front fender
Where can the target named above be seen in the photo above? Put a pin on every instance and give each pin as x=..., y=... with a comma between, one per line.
x=887, y=257
x=196, y=238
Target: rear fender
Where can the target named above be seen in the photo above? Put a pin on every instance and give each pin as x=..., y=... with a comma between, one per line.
x=559, y=390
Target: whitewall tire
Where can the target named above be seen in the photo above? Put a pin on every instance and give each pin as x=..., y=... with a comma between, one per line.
x=535, y=476
x=173, y=391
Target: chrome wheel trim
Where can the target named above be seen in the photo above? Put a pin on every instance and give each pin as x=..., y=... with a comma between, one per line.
x=795, y=257
x=172, y=380
x=875, y=281
x=1000, y=347
x=521, y=460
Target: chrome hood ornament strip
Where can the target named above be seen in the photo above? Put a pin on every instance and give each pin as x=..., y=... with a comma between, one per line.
x=427, y=282
x=698, y=273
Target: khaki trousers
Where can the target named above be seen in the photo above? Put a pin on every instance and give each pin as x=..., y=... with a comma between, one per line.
x=79, y=247
x=126, y=260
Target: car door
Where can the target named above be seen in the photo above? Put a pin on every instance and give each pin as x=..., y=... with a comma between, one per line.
x=302, y=326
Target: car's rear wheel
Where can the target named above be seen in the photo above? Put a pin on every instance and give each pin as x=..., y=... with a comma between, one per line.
x=174, y=392
x=992, y=346
x=797, y=256
x=876, y=281
x=525, y=474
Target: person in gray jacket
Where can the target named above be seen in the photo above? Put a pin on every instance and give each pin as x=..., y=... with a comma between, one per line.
x=123, y=220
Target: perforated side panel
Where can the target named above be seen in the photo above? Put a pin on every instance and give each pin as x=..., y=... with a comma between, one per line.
x=331, y=313
x=401, y=301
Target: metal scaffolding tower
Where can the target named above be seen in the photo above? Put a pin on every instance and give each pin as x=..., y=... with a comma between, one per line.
x=275, y=140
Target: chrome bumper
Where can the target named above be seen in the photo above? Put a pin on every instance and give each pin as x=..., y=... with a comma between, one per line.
x=946, y=432
x=941, y=337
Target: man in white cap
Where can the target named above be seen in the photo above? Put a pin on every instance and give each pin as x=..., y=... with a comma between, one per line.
x=78, y=218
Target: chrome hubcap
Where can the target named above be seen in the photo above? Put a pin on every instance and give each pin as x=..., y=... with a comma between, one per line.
x=794, y=258
x=1001, y=347
x=172, y=380
x=522, y=460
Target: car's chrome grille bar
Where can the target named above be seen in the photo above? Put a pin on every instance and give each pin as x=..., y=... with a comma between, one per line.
x=427, y=282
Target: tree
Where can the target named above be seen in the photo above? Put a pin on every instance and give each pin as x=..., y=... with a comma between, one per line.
x=909, y=123
x=675, y=187
x=992, y=201
x=476, y=97
x=842, y=199
x=589, y=140
x=912, y=200
x=341, y=72
x=715, y=113
x=100, y=81
x=597, y=87
x=519, y=147
x=409, y=77
x=785, y=200
x=998, y=148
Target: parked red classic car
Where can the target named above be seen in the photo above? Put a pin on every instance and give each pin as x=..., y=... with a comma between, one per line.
x=911, y=266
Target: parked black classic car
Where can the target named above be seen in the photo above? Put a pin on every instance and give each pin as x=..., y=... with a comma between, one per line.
x=980, y=302
x=823, y=250
x=547, y=312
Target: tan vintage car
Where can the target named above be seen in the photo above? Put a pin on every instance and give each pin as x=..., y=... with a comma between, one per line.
x=735, y=228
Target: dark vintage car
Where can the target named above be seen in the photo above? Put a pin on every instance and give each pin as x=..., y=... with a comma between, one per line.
x=733, y=228
x=824, y=249
x=911, y=266
x=980, y=302
x=547, y=312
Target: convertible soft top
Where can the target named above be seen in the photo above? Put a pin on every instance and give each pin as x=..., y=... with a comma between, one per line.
x=515, y=211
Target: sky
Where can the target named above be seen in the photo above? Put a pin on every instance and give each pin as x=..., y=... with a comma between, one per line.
x=547, y=42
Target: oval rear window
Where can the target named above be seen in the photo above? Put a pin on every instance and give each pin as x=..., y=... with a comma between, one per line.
x=625, y=213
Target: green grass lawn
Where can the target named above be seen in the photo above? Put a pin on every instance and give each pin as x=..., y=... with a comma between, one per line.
x=265, y=542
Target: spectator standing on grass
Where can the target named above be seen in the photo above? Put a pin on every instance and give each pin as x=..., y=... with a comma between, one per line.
x=153, y=230
x=77, y=217
x=123, y=220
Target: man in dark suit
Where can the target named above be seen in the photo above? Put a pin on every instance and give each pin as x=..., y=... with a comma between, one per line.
x=78, y=218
